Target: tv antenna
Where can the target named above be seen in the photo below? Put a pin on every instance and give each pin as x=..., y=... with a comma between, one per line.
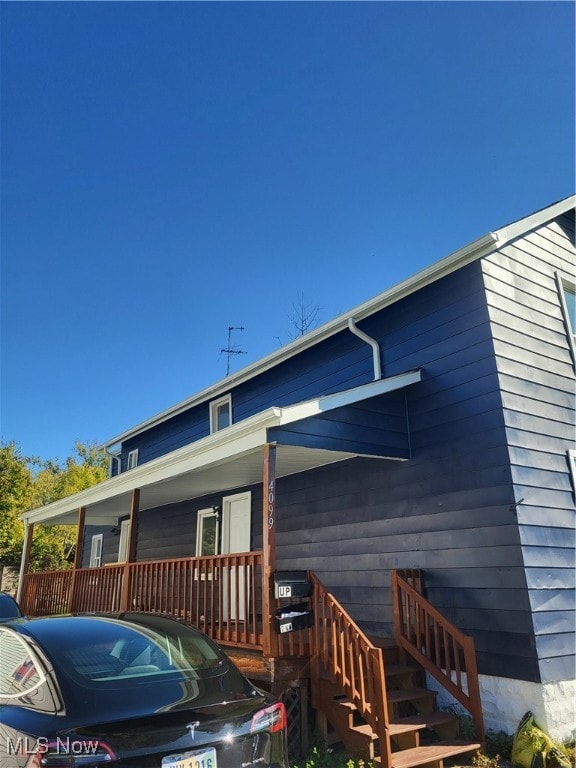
x=232, y=350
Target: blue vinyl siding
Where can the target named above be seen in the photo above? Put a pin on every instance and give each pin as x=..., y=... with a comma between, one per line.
x=375, y=427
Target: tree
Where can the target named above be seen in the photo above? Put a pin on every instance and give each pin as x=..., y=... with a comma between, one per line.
x=15, y=497
x=27, y=483
x=304, y=316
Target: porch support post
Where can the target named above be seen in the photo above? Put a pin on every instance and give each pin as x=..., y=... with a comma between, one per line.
x=25, y=561
x=77, y=556
x=269, y=549
x=131, y=552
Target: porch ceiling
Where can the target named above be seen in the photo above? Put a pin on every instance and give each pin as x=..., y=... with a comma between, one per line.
x=222, y=476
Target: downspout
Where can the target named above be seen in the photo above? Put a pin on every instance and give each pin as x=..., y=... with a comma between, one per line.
x=117, y=457
x=373, y=343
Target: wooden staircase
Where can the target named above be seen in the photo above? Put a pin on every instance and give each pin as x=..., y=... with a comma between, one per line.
x=419, y=733
x=370, y=693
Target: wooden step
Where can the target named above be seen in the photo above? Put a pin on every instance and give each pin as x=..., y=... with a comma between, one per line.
x=418, y=722
x=397, y=670
x=441, y=750
x=409, y=694
x=388, y=645
x=410, y=724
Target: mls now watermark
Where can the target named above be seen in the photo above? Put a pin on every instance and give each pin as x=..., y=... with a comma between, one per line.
x=24, y=745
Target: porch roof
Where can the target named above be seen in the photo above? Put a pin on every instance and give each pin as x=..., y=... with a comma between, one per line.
x=231, y=458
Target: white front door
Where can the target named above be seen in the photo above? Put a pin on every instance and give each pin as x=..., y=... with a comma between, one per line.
x=236, y=518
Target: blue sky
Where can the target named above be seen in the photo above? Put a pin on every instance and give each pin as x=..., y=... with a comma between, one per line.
x=172, y=169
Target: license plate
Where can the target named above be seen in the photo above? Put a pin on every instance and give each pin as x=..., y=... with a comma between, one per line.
x=206, y=759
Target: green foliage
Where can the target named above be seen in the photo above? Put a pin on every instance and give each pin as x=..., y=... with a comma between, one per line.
x=27, y=483
x=323, y=757
x=499, y=744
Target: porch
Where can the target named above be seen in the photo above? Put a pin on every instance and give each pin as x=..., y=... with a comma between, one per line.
x=224, y=595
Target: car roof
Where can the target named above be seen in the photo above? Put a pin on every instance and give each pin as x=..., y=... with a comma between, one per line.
x=44, y=626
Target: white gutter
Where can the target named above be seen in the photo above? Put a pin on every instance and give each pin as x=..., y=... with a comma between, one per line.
x=477, y=249
x=372, y=342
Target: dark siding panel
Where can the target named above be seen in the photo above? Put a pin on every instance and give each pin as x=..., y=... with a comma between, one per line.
x=537, y=379
x=377, y=427
x=181, y=430
x=110, y=544
x=170, y=531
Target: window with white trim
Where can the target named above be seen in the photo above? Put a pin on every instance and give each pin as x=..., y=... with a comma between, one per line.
x=96, y=550
x=207, y=533
x=567, y=291
x=132, y=459
x=220, y=414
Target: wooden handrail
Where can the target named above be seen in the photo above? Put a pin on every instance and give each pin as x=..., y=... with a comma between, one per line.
x=344, y=654
x=442, y=649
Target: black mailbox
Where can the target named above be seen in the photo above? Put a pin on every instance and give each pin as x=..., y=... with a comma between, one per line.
x=293, y=617
x=292, y=584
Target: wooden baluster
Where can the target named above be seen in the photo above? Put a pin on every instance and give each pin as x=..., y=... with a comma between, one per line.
x=457, y=664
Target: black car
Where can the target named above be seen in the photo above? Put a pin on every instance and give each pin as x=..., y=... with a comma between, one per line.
x=9, y=608
x=130, y=689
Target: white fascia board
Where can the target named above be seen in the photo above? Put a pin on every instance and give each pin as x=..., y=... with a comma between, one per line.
x=538, y=219
x=233, y=441
x=347, y=397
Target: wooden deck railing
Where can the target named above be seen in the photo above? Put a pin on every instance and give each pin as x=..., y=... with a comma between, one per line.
x=344, y=653
x=46, y=593
x=445, y=652
x=220, y=594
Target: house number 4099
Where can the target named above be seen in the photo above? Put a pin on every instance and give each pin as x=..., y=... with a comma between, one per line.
x=271, y=503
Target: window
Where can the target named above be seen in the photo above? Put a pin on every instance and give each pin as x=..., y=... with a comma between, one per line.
x=220, y=414
x=567, y=291
x=124, y=539
x=132, y=459
x=207, y=532
x=96, y=551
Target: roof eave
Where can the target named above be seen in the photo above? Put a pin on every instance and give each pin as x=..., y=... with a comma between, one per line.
x=475, y=250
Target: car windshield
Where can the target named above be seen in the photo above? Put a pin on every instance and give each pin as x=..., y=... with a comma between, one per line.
x=108, y=650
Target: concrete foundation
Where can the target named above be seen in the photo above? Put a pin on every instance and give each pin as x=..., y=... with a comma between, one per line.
x=505, y=701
